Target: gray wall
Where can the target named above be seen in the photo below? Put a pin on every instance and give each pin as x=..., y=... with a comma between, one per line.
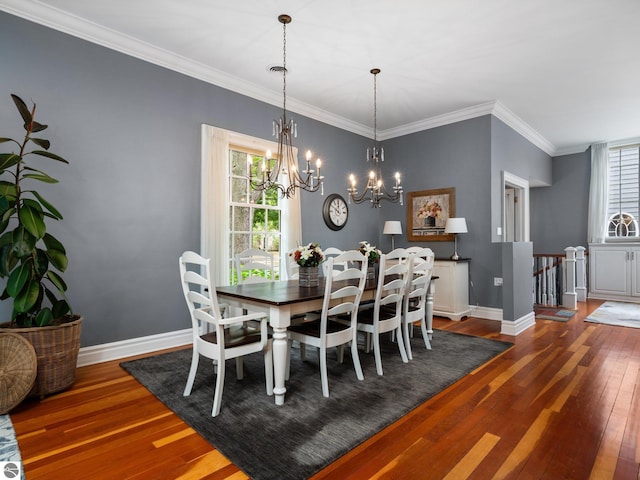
x=559, y=213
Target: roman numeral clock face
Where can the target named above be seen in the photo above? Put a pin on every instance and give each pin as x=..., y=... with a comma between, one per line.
x=335, y=212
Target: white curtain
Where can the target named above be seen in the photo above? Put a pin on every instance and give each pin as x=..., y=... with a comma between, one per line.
x=598, y=193
x=214, y=218
x=291, y=227
x=214, y=213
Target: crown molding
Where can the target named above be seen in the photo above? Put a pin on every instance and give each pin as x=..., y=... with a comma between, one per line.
x=81, y=28
x=438, y=121
x=507, y=116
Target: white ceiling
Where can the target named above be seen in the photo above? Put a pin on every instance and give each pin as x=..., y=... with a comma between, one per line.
x=565, y=73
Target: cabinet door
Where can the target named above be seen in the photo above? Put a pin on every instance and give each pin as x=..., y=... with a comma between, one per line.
x=609, y=271
x=444, y=298
x=634, y=265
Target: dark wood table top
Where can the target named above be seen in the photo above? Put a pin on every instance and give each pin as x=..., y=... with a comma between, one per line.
x=282, y=292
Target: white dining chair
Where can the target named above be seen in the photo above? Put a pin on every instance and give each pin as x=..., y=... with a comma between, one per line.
x=415, y=298
x=340, y=300
x=254, y=265
x=230, y=337
x=386, y=313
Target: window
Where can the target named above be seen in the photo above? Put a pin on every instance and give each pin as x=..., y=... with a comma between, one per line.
x=254, y=216
x=233, y=217
x=624, y=191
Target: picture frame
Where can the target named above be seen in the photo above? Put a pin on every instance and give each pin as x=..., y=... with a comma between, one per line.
x=427, y=214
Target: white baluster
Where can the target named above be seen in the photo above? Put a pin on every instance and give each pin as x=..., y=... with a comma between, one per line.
x=581, y=275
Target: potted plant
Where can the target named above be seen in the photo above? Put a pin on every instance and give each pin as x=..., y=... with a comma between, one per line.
x=31, y=259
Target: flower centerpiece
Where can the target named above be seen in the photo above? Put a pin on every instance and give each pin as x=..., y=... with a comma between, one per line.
x=430, y=211
x=308, y=257
x=373, y=257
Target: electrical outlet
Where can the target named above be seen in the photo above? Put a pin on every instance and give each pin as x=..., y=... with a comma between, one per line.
x=497, y=281
x=499, y=230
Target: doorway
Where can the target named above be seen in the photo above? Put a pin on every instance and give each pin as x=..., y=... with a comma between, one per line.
x=515, y=218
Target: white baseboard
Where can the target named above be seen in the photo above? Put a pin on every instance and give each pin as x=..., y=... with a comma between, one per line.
x=488, y=313
x=518, y=326
x=134, y=346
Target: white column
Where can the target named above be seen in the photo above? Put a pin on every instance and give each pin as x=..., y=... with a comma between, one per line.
x=569, y=298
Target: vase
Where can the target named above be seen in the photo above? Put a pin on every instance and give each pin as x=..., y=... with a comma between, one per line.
x=308, y=277
x=430, y=221
x=371, y=272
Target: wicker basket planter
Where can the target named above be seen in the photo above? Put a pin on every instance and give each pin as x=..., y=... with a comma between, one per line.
x=57, y=348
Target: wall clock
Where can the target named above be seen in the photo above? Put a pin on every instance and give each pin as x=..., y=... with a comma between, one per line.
x=335, y=211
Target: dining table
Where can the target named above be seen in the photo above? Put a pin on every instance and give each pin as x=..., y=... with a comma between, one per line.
x=283, y=299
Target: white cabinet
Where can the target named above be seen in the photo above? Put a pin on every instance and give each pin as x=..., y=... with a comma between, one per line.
x=451, y=297
x=614, y=271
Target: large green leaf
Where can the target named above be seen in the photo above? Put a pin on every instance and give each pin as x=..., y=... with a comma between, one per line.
x=8, y=160
x=43, y=317
x=27, y=298
x=41, y=263
x=8, y=189
x=57, y=281
x=29, y=202
x=22, y=242
x=53, y=243
x=32, y=220
x=60, y=308
x=22, y=108
x=43, y=177
x=41, y=142
x=18, y=279
x=7, y=260
x=44, y=153
x=53, y=210
x=58, y=259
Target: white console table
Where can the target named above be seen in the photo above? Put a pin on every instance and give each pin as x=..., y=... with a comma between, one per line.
x=451, y=297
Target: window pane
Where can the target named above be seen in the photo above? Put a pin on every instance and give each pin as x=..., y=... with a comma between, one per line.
x=257, y=241
x=241, y=243
x=238, y=190
x=238, y=163
x=274, y=220
x=259, y=219
x=241, y=217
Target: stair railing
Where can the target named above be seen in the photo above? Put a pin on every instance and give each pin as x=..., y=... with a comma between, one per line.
x=560, y=279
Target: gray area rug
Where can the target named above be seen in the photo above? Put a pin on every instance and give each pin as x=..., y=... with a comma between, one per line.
x=10, y=460
x=309, y=432
x=616, y=313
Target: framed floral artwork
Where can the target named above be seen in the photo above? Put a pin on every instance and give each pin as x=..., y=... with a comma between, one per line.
x=427, y=214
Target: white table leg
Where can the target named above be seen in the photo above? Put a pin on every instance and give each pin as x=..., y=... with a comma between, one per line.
x=279, y=363
x=429, y=308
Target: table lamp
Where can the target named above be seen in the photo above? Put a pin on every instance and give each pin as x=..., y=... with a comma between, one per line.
x=392, y=227
x=455, y=226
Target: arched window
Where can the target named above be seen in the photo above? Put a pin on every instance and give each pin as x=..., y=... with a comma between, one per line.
x=623, y=225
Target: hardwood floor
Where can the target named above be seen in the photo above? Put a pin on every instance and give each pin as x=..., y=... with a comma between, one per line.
x=564, y=402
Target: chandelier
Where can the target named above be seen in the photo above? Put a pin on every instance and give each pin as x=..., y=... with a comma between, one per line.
x=375, y=190
x=284, y=167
